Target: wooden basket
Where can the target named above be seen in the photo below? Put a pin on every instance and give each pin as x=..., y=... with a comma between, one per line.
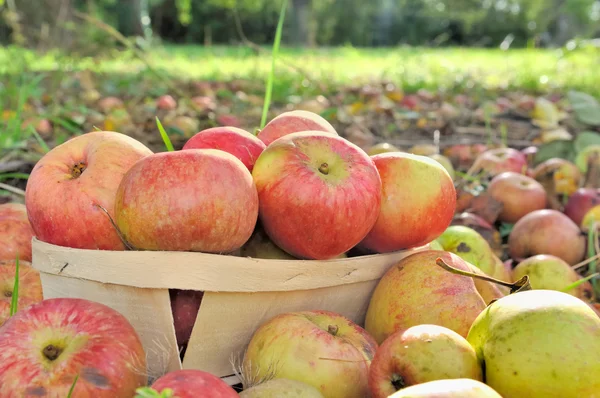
x=240, y=294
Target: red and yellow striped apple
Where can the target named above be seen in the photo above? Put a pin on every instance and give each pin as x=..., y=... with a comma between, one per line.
x=15, y=232
x=294, y=122
x=191, y=383
x=30, y=287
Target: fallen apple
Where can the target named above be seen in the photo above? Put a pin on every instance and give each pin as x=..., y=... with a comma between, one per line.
x=46, y=345
x=463, y=156
x=498, y=160
x=319, y=194
x=184, y=306
x=539, y=344
x=319, y=348
x=69, y=183
x=382, y=147
x=166, y=102
x=420, y=354
x=469, y=245
x=483, y=228
x=444, y=161
x=236, y=141
x=591, y=217
x=547, y=232
x=30, y=287
x=15, y=232
x=559, y=176
x=519, y=195
x=193, y=200
x=281, y=388
x=580, y=202
x=449, y=388
x=294, y=122
x=410, y=217
x=417, y=291
x=192, y=383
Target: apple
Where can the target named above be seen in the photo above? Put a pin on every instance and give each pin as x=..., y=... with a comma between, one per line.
x=547, y=232
x=417, y=291
x=591, y=216
x=410, y=217
x=420, y=354
x=236, y=141
x=30, y=287
x=483, y=228
x=294, y=122
x=519, y=195
x=580, y=202
x=319, y=194
x=202, y=103
x=462, y=156
x=423, y=149
x=46, y=345
x=530, y=153
x=260, y=246
x=108, y=104
x=551, y=273
x=68, y=184
x=498, y=160
x=193, y=200
x=15, y=232
x=281, y=388
x=192, y=383
x=320, y=348
x=564, y=175
x=448, y=388
x=166, y=102
x=383, y=147
x=466, y=243
x=444, y=161
x=539, y=343
x=184, y=306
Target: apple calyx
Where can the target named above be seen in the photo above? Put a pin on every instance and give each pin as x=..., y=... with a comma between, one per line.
x=324, y=168
x=51, y=352
x=78, y=169
x=519, y=286
x=8, y=293
x=128, y=245
x=332, y=330
x=397, y=381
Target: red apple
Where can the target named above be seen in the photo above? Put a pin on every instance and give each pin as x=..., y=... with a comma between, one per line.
x=108, y=104
x=238, y=142
x=191, y=383
x=184, y=305
x=462, y=156
x=547, y=232
x=46, y=345
x=68, y=184
x=166, y=102
x=319, y=194
x=30, y=287
x=418, y=201
x=519, y=195
x=193, y=200
x=320, y=348
x=499, y=160
x=581, y=202
x=15, y=232
x=294, y=122
x=203, y=103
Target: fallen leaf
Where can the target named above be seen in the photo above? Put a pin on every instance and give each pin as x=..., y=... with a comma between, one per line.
x=485, y=206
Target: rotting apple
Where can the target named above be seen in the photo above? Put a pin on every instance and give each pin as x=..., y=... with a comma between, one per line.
x=30, y=287
x=410, y=217
x=319, y=194
x=192, y=383
x=558, y=176
x=448, y=388
x=46, y=345
x=580, y=202
x=420, y=354
x=483, y=228
x=519, y=195
x=294, y=122
x=70, y=185
x=15, y=232
x=335, y=353
x=498, y=160
x=193, y=200
x=469, y=245
x=236, y=141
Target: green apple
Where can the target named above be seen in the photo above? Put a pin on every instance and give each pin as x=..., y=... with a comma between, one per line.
x=281, y=388
x=444, y=161
x=383, y=147
x=469, y=245
x=449, y=388
x=539, y=344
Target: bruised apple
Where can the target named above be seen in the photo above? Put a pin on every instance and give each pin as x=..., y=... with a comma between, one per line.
x=319, y=348
x=319, y=194
x=15, y=232
x=69, y=183
x=519, y=195
x=410, y=217
x=30, y=287
x=294, y=122
x=191, y=383
x=193, y=200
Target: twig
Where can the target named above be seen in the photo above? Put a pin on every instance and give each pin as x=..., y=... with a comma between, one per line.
x=585, y=262
x=12, y=189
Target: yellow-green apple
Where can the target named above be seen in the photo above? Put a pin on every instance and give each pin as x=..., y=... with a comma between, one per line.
x=587, y=155
x=46, y=345
x=319, y=194
x=498, y=160
x=423, y=149
x=15, y=232
x=166, y=102
x=282, y=388
x=184, y=306
x=592, y=216
x=192, y=383
x=448, y=388
x=320, y=348
x=417, y=291
x=547, y=232
x=193, y=200
x=444, y=161
x=30, y=287
x=420, y=354
x=68, y=184
x=261, y=246
x=580, y=203
x=483, y=228
x=294, y=122
x=240, y=143
x=410, y=217
x=519, y=195
x=469, y=245
x=564, y=176
x=539, y=344
x=551, y=273
x=382, y=147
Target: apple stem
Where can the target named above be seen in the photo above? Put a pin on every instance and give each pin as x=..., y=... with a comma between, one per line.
x=324, y=168
x=128, y=245
x=332, y=330
x=78, y=169
x=518, y=286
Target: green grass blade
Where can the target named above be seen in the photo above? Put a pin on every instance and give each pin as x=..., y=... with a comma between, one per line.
x=73, y=386
x=15, y=294
x=17, y=176
x=579, y=282
x=40, y=141
x=164, y=136
x=271, y=76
